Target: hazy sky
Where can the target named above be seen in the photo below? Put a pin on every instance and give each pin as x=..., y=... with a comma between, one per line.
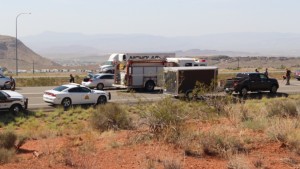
x=155, y=17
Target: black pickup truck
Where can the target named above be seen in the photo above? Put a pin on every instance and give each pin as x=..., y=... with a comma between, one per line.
x=244, y=82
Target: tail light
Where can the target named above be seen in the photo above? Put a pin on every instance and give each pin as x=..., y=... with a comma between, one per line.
x=51, y=94
x=203, y=60
x=91, y=80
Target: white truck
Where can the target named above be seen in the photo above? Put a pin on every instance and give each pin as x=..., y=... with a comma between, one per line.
x=140, y=70
x=116, y=58
x=185, y=62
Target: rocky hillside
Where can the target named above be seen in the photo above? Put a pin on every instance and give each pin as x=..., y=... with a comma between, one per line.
x=26, y=57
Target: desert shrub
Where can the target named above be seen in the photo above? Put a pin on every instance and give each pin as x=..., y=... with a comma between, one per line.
x=237, y=162
x=256, y=124
x=221, y=144
x=165, y=118
x=172, y=164
x=280, y=129
x=282, y=108
x=7, y=140
x=6, y=155
x=110, y=116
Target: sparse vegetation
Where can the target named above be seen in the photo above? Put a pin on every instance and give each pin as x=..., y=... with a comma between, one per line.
x=219, y=128
x=110, y=116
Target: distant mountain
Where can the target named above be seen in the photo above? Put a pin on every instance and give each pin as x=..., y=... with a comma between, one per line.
x=68, y=45
x=26, y=57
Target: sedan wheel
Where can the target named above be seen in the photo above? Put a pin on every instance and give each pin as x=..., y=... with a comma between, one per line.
x=101, y=100
x=100, y=86
x=15, y=109
x=66, y=102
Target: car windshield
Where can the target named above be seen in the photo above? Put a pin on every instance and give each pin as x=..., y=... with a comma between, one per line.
x=108, y=63
x=60, y=88
x=4, y=93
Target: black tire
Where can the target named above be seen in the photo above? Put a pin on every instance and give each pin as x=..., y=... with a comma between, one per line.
x=66, y=102
x=244, y=91
x=190, y=95
x=100, y=86
x=7, y=86
x=101, y=100
x=15, y=109
x=273, y=89
x=149, y=86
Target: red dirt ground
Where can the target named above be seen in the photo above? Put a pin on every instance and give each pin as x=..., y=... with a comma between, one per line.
x=115, y=151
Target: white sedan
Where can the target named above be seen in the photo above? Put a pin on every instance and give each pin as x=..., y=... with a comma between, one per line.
x=71, y=94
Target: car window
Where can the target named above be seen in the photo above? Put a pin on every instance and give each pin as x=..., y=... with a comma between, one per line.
x=83, y=90
x=262, y=76
x=74, y=90
x=60, y=88
x=188, y=64
x=2, y=96
x=254, y=77
x=107, y=77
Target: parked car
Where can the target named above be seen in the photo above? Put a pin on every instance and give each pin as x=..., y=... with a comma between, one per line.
x=244, y=82
x=72, y=94
x=4, y=82
x=297, y=74
x=12, y=101
x=99, y=81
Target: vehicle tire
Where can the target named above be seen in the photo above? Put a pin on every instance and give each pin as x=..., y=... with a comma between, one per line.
x=190, y=96
x=7, y=86
x=100, y=86
x=273, y=89
x=15, y=109
x=244, y=91
x=101, y=100
x=149, y=86
x=66, y=102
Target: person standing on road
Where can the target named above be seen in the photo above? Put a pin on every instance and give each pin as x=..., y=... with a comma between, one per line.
x=288, y=76
x=266, y=72
x=72, y=80
x=12, y=83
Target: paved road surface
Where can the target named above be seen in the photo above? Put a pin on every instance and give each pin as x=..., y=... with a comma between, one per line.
x=120, y=96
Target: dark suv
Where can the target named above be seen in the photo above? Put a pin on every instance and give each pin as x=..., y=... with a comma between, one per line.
x=244, y=82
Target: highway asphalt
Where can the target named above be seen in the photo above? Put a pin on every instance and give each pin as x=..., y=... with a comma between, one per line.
x=35, y=94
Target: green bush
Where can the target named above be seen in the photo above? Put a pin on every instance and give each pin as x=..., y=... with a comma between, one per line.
x=110, y=116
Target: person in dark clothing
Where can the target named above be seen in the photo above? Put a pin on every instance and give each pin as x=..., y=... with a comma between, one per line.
x=256, y=71
x=266, y=72
x=12, y=83
x=288, y=76
x=72, y=80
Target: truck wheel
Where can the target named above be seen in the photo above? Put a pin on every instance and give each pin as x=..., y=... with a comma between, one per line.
x=190, y=95
x=15, y=109
x=244, y=91
x=149, y=87
x=100, y=86
x=273, y=89
x=66, y=103
x=101, y=100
